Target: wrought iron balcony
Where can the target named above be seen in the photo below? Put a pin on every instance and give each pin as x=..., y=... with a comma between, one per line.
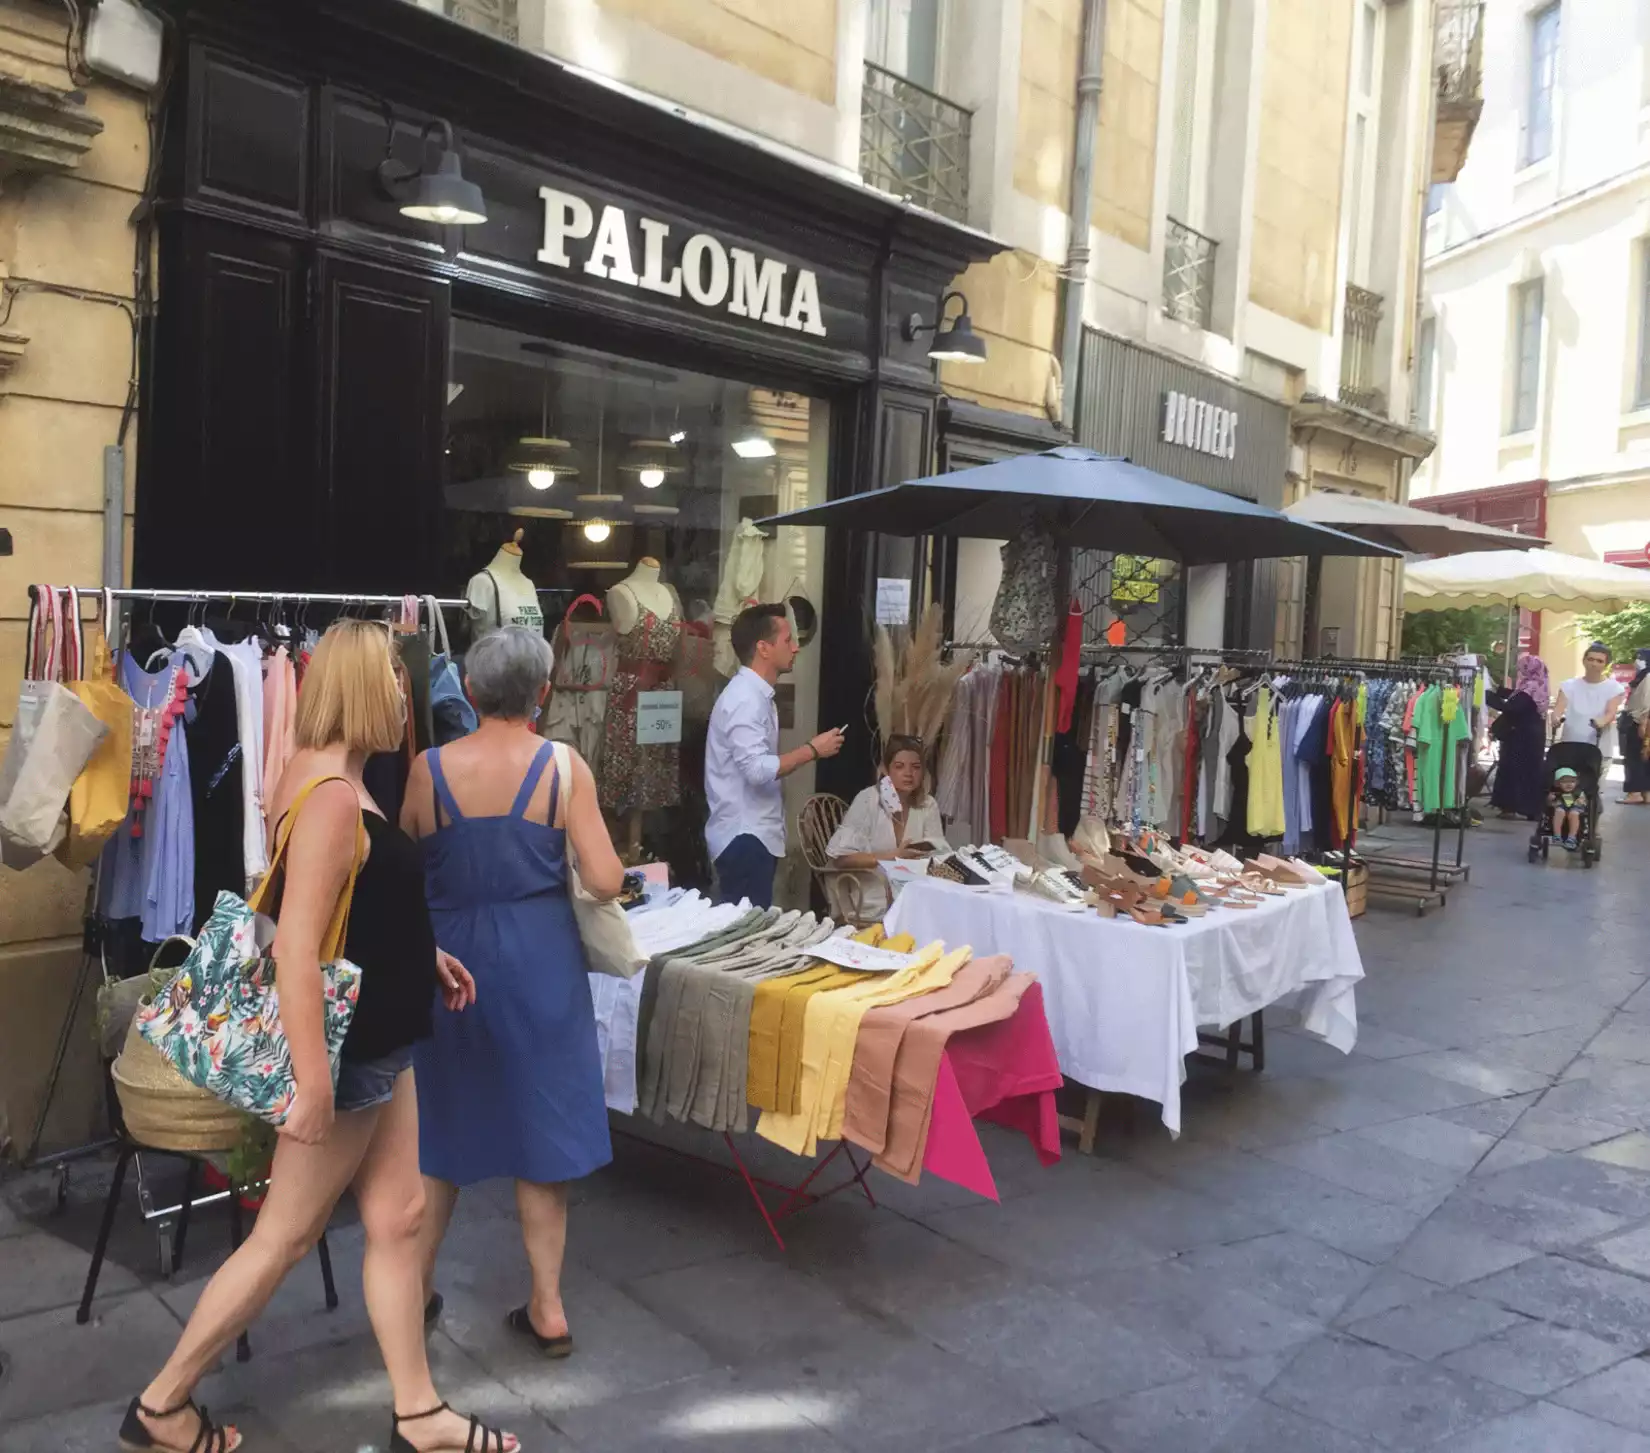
x=491, y=17
x=1458, y=63
x=1361, y=326
x=1188, y=274
x=914, y=143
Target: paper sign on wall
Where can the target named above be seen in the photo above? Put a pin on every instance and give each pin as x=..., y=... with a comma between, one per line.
x=658, y=718
x=893, y=601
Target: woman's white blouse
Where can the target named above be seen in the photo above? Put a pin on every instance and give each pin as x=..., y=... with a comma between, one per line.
x=866, y=828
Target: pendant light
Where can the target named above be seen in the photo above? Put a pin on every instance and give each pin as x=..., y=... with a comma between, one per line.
x=652, y=459
x=542, y=456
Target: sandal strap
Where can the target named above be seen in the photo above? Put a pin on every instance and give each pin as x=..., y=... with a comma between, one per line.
x=149, y=1412
x=416, y=1417
x=209, y=1438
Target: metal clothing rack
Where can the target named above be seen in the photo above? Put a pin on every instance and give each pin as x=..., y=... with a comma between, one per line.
x=91, y=950
x=1392, y=875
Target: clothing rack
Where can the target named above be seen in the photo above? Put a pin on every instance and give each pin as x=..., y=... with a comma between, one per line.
x=1391, y=875
x=250, y=597
x=91, y=951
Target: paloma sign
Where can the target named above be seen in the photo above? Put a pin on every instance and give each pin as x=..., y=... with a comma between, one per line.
x=711, y=274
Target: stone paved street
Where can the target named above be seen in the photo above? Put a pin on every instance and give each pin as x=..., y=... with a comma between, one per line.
x=1441, y=1241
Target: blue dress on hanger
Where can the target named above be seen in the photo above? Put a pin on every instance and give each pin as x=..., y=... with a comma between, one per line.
x=511, y=1086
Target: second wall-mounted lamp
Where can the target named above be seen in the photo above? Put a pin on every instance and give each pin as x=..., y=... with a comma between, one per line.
x=954, y=342
x=441, y=196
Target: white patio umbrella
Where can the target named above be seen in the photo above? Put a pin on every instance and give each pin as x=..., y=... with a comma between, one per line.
x=1418, y=532
x=1533, y=579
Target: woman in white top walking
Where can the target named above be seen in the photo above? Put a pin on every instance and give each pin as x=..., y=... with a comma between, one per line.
x=897, y=818
x=1588, y=704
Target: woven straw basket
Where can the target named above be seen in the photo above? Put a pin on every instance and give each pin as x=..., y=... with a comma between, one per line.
x=163, y=1110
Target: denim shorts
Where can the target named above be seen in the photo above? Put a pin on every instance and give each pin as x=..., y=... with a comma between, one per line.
x=364, y=1083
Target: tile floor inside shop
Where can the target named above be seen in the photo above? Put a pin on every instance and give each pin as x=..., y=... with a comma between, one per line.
x=1441, y=1241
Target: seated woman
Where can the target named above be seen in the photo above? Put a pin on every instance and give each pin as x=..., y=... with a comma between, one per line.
x=897, y=818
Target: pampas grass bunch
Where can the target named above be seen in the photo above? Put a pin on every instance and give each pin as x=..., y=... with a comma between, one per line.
x=914, y=684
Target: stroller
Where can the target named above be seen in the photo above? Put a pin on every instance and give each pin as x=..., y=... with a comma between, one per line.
x=1587, y=762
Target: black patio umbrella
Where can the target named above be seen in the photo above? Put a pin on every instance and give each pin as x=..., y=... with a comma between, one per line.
x=1093, y=500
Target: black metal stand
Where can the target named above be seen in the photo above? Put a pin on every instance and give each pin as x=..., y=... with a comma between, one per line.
x=180, y=1233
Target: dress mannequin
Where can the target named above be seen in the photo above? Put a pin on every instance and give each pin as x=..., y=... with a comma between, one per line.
x=638, y=777
x=641, y=590
x=500, y=595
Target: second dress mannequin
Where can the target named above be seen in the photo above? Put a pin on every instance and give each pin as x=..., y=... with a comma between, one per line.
x=648, y=620
x=501, y=595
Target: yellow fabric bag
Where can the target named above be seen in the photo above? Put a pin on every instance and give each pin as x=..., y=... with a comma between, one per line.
x=103, y=791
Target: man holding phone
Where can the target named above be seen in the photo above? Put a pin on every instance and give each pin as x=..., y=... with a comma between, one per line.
x=745, y=831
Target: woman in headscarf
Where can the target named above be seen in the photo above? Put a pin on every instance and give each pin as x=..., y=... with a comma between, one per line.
x=1633, y=738
x=1521, y=729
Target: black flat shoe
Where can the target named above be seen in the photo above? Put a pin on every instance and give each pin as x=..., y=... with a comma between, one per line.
x=555, y=1347
x=490, y=1439
x=135, y=1438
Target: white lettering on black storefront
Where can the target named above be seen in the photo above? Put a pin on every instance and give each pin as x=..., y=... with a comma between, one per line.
x=1195, y=424
x=711, y=274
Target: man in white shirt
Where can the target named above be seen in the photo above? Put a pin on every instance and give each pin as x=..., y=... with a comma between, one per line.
x=743, y=766
x=1588, y=704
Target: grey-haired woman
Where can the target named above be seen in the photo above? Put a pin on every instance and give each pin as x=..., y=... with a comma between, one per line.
x=514, y=1090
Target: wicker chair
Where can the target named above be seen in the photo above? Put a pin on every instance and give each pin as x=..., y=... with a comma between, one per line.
x=820, y=817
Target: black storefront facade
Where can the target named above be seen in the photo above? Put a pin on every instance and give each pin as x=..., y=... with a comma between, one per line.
x=1201, y=427
x=299, y=372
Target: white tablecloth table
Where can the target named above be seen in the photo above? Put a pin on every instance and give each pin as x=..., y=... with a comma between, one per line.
x=1125, y=1001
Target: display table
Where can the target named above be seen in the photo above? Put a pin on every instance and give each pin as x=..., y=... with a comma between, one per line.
x=1124, y=1002
x=1005, y=1073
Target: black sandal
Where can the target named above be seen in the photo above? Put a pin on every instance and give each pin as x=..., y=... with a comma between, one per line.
x=553, y=1347
x=135, y=1438
x=492, y=1441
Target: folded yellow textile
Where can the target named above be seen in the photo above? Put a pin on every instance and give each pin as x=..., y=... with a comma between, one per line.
x=830, y=1027
x=774, y=1062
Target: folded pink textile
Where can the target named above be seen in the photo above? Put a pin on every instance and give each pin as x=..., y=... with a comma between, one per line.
x=1005, y=1073
x=917, y=1067
x=881, y=1031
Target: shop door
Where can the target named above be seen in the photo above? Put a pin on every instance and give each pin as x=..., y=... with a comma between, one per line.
x=227, y=493
x=381, y=346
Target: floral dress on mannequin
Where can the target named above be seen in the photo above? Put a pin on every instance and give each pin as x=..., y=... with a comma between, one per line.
x=635, y=777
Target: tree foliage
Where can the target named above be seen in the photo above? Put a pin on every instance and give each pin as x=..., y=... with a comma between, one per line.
x=1623, y=631
x=1481, y=629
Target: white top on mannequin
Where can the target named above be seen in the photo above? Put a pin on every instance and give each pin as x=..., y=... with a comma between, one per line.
x=641, y=590
x=501, y=595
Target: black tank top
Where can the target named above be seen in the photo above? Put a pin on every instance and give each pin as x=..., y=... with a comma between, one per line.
x=390, y=940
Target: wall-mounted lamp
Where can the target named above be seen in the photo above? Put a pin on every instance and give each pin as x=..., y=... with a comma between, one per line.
x=954, y=342
x=441, y=196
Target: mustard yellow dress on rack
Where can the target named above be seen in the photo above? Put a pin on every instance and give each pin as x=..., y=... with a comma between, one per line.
x=1266, y=819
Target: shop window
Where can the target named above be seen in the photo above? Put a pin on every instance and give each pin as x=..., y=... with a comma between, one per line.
x=1543, y=77
x=1528, y=303
x=634, y=487
x=1128, y=599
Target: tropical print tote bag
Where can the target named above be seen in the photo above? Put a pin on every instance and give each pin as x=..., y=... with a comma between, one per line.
x=218, y=1020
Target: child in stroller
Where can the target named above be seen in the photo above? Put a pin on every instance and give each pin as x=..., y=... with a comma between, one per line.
x=1573, y=770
